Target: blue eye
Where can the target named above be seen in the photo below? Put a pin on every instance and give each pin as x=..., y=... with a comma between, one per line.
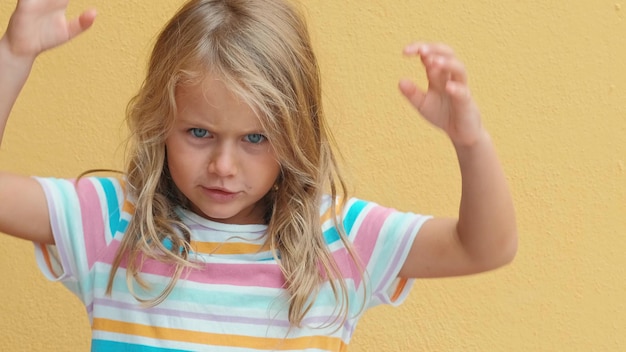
x=199, y=132
x=255, y=138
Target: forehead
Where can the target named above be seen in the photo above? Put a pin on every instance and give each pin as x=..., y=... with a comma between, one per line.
x=213, y=98
x=213, y=91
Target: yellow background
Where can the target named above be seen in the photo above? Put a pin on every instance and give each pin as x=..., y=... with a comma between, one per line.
x=550, y=79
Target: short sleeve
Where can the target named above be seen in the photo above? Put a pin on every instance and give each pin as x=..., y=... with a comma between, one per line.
x=383, y=238
x=85, y=215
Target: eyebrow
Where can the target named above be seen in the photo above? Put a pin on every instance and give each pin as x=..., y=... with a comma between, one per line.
x=198, y=122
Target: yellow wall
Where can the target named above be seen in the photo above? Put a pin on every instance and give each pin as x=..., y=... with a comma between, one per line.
x=551, y=82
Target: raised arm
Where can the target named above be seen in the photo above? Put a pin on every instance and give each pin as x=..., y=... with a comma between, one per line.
x=34, y=27
x=484, y=236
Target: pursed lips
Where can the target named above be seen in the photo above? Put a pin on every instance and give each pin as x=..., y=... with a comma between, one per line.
x=220, y=193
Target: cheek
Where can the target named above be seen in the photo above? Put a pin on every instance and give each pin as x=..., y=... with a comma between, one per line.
x=262, y=171
x=274, y=174
x=179, y=164
x=270, y=165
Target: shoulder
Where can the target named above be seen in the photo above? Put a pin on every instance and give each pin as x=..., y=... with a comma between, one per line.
x=340, y=207
x=88, y=192
x=349, y=208
x=112, y=189
x=350, y=211
x=362, y=216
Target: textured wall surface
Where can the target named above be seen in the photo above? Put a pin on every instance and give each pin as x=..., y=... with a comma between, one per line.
x=550, y=79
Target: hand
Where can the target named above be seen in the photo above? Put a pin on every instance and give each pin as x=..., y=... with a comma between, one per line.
x=447, y=103
x=39, y=25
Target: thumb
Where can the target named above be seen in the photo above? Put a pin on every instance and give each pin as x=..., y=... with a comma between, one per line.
x=82, y=23
x=412, y=93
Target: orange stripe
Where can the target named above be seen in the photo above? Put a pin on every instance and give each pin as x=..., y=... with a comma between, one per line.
x=227, y=248
x=128, y=207
x=46, y=257
x=338, y=210
x=399, y=289
x=154, y=332
x=122, y=183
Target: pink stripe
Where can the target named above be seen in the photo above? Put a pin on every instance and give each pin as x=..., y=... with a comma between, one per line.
x=92, y=218
x=347, y=267
x=253, y=274
x=363, y=243
x=370, y=227
x=268, y=274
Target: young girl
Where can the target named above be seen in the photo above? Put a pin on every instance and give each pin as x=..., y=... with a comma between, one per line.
x=230, y=228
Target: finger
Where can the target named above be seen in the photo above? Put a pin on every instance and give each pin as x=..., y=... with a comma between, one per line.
x=412, y=93
x=436, y=49
x=440, y=70
x=458, y=92
x=436, y=73
x=425, y=49
x=82, y=23
x=453, y=68
x=412, y=49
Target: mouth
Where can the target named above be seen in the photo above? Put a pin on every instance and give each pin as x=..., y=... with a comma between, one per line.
x=219, y=190
x=219, y=194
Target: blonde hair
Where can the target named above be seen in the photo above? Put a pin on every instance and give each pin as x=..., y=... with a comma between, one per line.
x=262, y=50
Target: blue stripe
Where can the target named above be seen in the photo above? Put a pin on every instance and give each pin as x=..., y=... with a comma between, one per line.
x=107, y=346
x=257, y=300
x=331, y=235
x=350, y=218
x=112, y=203
x=122, y=227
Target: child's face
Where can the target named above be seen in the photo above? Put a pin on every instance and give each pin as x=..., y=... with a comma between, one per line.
x=218, y=155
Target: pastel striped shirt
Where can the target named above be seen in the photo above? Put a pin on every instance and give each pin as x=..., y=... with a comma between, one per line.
x=236, y=300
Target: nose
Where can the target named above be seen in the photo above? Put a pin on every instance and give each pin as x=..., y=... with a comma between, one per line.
x=223, y=161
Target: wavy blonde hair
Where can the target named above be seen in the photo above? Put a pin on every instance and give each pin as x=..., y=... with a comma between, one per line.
x=262, y=50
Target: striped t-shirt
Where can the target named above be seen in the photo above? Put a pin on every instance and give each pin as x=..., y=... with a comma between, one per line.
x=236, y=300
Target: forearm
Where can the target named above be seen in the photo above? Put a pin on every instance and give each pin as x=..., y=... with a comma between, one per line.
x=486, y=225
x=13, y=74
